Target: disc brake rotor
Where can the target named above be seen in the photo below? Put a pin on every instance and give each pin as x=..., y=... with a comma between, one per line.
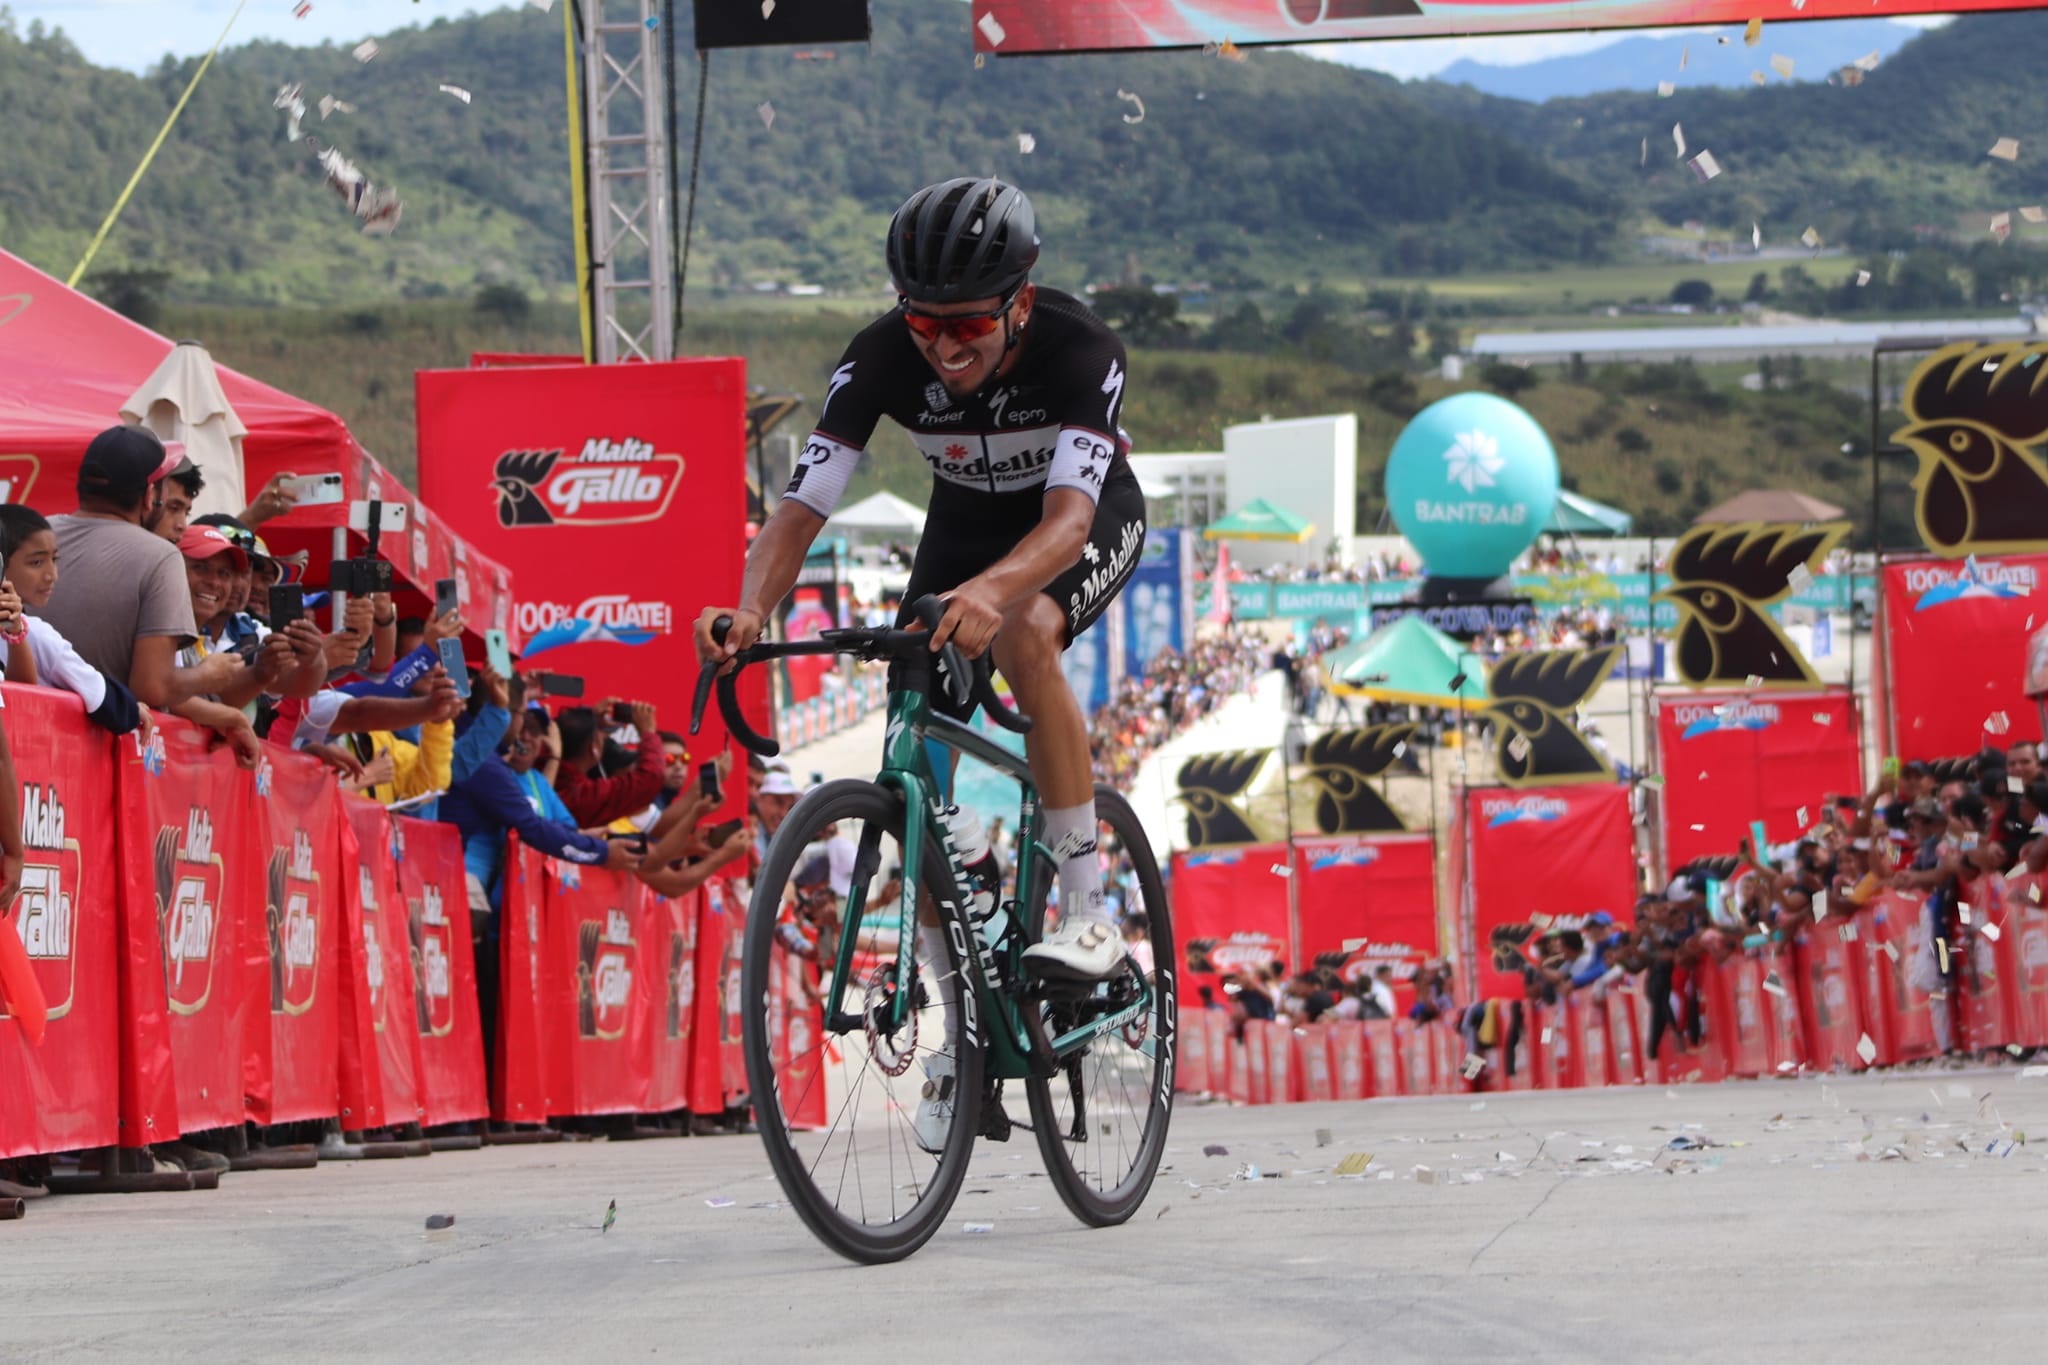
x=893, y=1059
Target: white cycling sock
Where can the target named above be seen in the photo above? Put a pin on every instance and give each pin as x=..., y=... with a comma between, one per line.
x=1070, y=834
x=945, y=981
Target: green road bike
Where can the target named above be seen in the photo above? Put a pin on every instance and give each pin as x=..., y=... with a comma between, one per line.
x=917, y=1045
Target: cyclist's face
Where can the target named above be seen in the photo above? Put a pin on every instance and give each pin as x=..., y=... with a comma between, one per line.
x=965, y=365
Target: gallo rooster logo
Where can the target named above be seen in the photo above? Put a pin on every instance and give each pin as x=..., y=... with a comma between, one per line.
x=1976, y=417
x=1533, y=699
x=190, y=879
x=17, y=480
x=46, y=912
x=294, y=917
x=1341, y=766
x=611, y=483
x=1722, y=579
x=1208, y=782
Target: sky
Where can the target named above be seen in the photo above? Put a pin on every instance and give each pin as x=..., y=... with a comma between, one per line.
x=134, y=34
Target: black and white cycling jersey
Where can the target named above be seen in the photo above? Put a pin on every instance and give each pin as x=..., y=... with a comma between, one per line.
x=1050, y=422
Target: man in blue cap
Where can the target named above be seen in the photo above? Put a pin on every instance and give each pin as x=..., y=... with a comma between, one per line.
x=1600, y=937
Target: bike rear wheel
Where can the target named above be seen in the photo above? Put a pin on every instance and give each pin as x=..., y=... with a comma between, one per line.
x=1101, y=1119
x=838, y=1111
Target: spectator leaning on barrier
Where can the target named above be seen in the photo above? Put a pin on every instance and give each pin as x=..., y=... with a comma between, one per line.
x=123, y=600
x=597, y=801
x=181, y=488
x=45, y=658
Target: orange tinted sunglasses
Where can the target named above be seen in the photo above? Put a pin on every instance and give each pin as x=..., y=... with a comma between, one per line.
x=963, y=329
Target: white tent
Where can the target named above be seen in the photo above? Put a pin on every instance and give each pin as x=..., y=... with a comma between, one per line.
x=183, y=401
x=883, y=514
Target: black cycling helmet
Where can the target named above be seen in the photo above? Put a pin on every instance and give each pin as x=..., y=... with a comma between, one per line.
x=962, y=239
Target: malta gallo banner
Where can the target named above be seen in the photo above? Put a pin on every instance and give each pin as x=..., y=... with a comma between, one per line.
x=190, y=859
x=1011, y=27
x=389, y=981
x=297, y=1024
x=1539, y=859
x=595, y=1031
x=65, y=1091
x=1230, y=911
x=614, y=494
x=442, y=961
x=1367, y=901
x=1954, y=661
x=1731, y=757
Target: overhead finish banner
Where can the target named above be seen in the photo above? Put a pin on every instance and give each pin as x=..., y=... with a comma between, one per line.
x=1732, y=757
x=1014, y=27
x=1954, y=640
x=1540, y=859
x=616, y=497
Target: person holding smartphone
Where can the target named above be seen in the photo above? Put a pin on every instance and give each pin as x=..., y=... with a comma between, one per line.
x=594, y=800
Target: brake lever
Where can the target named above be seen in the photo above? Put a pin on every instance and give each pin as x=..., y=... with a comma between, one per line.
x=707, y=675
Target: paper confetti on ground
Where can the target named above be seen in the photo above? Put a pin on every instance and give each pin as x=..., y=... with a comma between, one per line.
x=1704, y=166
x=2005, y=149
x=456, y=91
x=1139, y=117
x=1354, y=1163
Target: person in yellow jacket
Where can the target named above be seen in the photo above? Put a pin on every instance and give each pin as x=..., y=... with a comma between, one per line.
x=397, y=770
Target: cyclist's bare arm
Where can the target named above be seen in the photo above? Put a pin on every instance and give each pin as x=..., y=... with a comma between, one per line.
x=774, y=562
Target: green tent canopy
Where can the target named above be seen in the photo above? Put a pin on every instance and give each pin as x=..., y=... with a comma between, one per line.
x=1260, y=520
x=1409, y=662
x=1581, y=516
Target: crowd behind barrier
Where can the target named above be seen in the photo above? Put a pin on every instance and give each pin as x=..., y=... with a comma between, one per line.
x=1175, y=691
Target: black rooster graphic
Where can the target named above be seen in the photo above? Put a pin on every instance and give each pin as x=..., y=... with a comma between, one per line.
x=518, y=483
x=1976, y=418
x=166, y=867
x=1533, y=698
x=588, y=935
x=677, y=947
x=273, y=915
x=1342, y=764
x=1507, y=944
x=1207, y=782
x=1722, y=578
x=416, y=933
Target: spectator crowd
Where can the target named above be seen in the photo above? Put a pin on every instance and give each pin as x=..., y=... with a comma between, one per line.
x=1175, y=691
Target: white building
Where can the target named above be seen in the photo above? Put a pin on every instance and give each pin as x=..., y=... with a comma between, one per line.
x=1306, y=465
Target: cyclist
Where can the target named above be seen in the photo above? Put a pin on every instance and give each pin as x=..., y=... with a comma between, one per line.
x=1012, y=393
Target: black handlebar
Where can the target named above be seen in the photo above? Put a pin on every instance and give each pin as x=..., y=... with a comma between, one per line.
x=966, y=680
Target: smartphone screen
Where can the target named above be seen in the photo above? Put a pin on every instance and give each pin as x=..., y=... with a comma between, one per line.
x=313, y=490
x=707, y=781
x=444, y=597
x=719, y=833
x=458, y=670
x=287, y=604
x=561, y=685
x=498, y=653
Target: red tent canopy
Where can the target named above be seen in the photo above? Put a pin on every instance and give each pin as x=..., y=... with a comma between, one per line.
x=68, y=363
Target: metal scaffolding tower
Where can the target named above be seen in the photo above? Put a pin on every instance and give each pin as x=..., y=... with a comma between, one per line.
x=625, y=109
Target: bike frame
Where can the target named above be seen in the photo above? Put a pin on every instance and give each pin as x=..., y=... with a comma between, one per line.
x=1015, y=1048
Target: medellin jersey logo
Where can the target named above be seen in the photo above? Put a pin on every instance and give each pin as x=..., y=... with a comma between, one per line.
x=610, y=483
x=1976, y=581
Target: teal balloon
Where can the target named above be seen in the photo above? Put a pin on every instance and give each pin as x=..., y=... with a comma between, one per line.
x=1471, y=483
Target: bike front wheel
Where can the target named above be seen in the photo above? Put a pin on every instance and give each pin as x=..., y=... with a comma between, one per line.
x=1101, y=1118
x=868, y=1126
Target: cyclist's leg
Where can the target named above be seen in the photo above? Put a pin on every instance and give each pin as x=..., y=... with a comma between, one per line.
x=1028, y=649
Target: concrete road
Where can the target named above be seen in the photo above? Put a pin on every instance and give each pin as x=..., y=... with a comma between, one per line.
x=1837, y=1219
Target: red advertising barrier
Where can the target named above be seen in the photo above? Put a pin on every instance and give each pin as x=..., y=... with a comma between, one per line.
x=1981, y=981
x=1418, y=1058
x=1240, y=1072
x=65, y=1091
x=1365, y=901
x=1731, y=757
x=2023, y=951
x=1312, y=1062
x=1216, y=1029
x=442, y=961
x=1383, y=1048
x=190, y=861
x=1258, y=1073
x=522, y=1086
x=1230, y=911
x=1553, y=1046
x=297, y=1021
x=1540, y=858
x=595, y=1036
x=1283, y=1083
x=1784, y=1026
x=1347, y=1060
x=718, y=1066
x=1587, y=1067
x=672, y=995
x=1624, y=1043
x=1191, y=1072
x=1733, y=995
x=796, y=1023
x=1898, y=934
x=395, y=1001
x=1829, y=1018
x=1934, y=612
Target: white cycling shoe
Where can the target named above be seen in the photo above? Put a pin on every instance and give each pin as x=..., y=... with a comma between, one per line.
x=934, y=1119
x=1079, y=950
